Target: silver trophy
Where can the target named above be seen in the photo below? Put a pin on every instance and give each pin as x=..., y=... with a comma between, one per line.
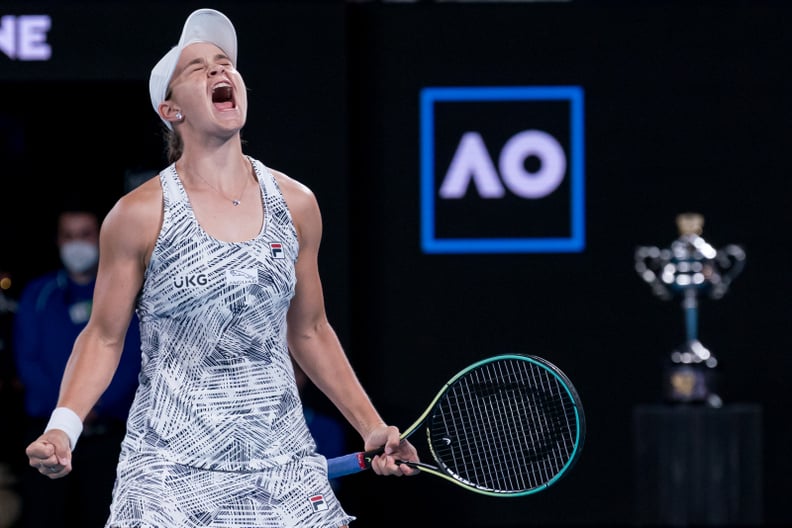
x=688, y=269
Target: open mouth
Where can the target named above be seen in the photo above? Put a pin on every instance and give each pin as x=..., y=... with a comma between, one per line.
x=222, y=96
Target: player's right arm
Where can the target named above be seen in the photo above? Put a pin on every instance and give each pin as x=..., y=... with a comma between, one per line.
x=126, y=239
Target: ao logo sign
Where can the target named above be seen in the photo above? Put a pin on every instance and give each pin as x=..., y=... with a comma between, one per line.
x=502, y=170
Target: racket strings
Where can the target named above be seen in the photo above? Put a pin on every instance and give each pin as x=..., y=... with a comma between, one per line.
x=506, y=426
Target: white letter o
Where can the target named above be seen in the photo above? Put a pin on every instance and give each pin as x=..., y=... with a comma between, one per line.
x=551, y=168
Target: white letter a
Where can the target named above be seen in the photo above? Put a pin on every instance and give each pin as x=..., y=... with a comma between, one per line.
x=471, y=161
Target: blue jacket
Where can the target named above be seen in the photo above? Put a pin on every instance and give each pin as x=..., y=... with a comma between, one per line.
x=52, y=311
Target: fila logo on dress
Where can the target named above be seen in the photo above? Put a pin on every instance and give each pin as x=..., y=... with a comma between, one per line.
x=276, y=250
x=318, y=502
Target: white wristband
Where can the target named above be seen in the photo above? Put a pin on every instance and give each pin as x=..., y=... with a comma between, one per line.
x=67, y=421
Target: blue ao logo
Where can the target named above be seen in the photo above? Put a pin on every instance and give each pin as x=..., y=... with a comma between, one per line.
x=502, y=170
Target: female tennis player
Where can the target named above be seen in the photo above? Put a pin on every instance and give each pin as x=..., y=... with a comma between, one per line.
x=218, y=256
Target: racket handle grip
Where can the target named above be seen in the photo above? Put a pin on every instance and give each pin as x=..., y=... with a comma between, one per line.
x=351, y=463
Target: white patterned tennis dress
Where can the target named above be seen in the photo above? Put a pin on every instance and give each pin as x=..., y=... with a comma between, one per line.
x=216, y=435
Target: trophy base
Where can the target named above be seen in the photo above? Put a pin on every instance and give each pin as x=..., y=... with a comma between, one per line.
x=691, y=377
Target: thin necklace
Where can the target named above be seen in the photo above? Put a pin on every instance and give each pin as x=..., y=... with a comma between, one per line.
x=236, y=202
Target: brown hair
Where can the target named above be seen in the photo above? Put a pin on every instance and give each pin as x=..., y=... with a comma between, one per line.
x=174, y=146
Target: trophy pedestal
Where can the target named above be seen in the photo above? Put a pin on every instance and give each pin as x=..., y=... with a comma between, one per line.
x=698, y=466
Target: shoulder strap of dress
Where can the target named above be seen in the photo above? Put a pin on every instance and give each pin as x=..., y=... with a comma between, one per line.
x=169, y=180
x=265, y=177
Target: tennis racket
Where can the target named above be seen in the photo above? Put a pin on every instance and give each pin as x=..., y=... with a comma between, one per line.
x=506, y=426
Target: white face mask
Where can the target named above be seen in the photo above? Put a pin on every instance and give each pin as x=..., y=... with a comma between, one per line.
x=79, y=256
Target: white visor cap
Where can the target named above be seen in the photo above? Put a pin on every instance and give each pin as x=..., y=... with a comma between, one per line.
x=203, y=25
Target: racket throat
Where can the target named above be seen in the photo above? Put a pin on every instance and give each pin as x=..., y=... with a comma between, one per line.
x=418, y=465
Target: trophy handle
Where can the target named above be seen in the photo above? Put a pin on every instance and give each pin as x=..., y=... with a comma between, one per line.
x=730, y=262
x=649, y=262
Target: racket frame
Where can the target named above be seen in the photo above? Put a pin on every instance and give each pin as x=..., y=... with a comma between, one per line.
x=363, y=459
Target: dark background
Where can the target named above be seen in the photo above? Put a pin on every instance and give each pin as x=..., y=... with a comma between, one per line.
x=685, y=110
